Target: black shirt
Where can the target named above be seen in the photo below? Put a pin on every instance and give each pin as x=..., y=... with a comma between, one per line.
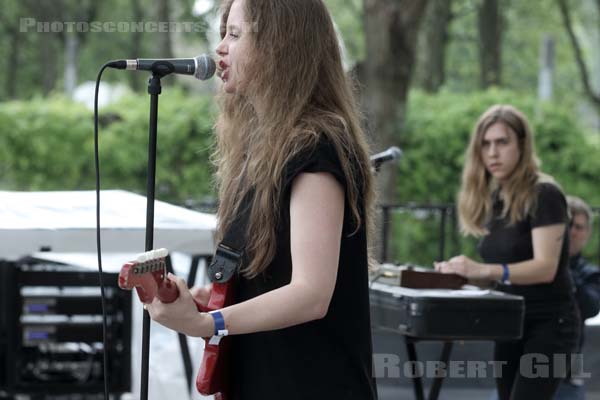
x=329, y=358
x=508, y=243
x=586, y=277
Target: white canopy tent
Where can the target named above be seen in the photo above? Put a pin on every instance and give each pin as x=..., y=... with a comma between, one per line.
x=65, y=222
x=63, y=225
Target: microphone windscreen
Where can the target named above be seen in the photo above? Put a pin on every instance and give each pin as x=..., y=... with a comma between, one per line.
x=206, y=67
x=396, y=152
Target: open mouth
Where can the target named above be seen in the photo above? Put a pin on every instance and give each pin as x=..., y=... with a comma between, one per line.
x=222, y=68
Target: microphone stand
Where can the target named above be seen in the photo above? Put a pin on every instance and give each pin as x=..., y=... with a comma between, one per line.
x=154, y=89
x=159, y=70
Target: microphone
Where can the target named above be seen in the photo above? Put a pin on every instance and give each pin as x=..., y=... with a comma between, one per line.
x=202, y=67
x=390, y=154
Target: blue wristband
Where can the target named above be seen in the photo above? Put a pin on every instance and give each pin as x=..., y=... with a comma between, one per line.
x=219, y=323
x=505, y=274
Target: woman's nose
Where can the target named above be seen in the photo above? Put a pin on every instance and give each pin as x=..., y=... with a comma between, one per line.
x=222, y=48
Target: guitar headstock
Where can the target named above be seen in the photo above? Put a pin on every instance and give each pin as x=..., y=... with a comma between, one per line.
x=145, y=274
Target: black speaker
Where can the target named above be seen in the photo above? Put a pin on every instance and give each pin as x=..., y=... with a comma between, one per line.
x=51, y=331
x=7, y=322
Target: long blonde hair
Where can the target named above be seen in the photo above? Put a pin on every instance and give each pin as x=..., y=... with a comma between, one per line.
x=298, y=79
x=518, y=192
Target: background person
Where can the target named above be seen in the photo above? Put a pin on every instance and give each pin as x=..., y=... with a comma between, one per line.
x=521, y=216
x=587, y=284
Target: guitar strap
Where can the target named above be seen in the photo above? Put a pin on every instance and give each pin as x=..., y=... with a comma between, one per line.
x=229, y=253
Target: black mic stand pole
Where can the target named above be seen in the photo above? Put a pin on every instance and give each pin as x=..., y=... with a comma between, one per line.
x=154, y=89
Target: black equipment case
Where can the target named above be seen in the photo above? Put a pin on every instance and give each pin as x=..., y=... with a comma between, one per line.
x=468, y=314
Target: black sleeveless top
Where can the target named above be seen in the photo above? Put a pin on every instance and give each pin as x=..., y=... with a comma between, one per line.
x=329, y=358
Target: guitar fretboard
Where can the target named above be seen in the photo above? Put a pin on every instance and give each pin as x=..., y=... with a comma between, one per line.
x=148, y=267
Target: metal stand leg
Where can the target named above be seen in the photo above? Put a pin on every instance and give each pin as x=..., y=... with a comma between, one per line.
x=412, y=356
x=434, y=392
x=417, y=381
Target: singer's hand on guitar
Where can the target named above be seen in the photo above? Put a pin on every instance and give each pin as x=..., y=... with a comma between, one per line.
x=181, y=315
x=201, y=294
x=463, y=266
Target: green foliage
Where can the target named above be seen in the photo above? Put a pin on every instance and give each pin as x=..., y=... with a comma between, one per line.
x=41, y=54
x=45, y=144
x=48, y=145
x=418, y=232
x=435, y=139
x=462, y=53
x=526, y=23
x=184, y=146
x=568, y=155
x=347, y=15
x=522, y=45
x=438, y=130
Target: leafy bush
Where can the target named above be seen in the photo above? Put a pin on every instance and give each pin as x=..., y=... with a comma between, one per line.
x=47, y=144
x=184, y=146
x=438, y=130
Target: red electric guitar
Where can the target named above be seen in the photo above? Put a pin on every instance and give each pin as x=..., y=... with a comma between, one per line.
x=148, y=276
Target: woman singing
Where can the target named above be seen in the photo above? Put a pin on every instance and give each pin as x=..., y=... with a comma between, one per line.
x=290, y=147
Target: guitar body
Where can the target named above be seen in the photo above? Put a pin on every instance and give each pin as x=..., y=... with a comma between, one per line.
x=148, y=276
x=212, y=376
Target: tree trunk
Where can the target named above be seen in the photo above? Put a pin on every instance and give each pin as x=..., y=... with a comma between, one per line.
x=490, y=43
x=581, y=64
x=164, y=38
x=391, y=30
x=436, y=36
x=47, y=45
x=12, y=60
x=47, y=51
x=164, y=44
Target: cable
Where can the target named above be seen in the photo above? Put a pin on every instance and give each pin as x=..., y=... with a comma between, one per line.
x=98, y=242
